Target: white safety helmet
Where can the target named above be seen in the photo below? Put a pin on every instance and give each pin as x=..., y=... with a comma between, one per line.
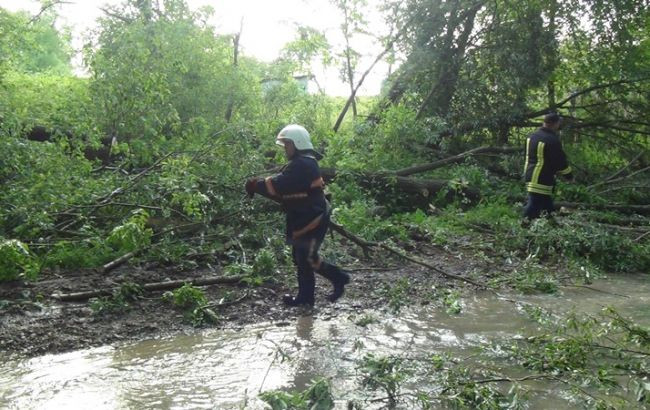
x=296, y=133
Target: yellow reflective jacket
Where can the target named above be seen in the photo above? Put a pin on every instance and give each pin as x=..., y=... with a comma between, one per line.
x=544, y=158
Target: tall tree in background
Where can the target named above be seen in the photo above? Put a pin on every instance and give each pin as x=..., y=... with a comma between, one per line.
x=33, y=44
x=158, y=68
x=478, y=65
x=298, y=56
x=352, y=25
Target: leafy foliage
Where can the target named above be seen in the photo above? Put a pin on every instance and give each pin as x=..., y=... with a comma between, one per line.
x=317, y=396
x=131, y=235
x=194, y=304
x=33, y=45
x=383, y=373
x=16, y=261
x=187, y=297
x=118, y=302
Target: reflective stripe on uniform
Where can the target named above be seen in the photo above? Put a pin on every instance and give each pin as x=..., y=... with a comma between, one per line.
x=540, y=163
x=565, y=171
x=539, y=188
x=527, y=147
x=309, y=227
x=298, y=195
x=268, y=182
x=314, y=262
x=318, y=183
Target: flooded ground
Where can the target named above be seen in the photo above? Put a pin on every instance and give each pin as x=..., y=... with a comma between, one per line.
x=228, y=368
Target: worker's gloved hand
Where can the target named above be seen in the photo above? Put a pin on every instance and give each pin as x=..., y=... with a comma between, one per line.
x=569, y=177
x=251, y=186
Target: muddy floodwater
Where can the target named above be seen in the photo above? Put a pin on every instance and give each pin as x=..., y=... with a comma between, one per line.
x=226, y=369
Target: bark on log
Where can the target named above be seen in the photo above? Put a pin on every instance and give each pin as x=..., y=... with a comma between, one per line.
x=424, y=187
x=456, y=158
x=117, y=262
x=428, y=188
x=154, y=286
x=638, y=209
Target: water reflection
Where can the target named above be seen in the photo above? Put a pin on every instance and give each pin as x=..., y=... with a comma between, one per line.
x=304, y=371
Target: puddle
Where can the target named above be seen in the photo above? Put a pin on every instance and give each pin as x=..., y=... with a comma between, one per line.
x=227, y=369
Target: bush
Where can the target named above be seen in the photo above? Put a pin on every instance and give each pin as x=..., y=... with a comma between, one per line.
x=318, y=396
x=16, y=261
x=81, y=254
x=605, y=249
x=187, y=297
x=131, y=235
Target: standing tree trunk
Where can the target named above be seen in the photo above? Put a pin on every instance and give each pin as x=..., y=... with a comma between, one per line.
x=550, y=86
x=350, y=75
x=442, y=91
x=235, y=63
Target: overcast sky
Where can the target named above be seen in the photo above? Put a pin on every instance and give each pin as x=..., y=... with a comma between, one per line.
x=268, y=25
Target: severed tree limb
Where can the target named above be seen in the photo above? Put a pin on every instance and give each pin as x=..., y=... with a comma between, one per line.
x=585, y=91
x=640, y=209
x=367, y=245
x=611, y=181
x=119, y=261
x=153, y=286
x=638, y=238
x=102, y=201
x=424, y=187
x=620, y=171
x=133, y=181
x=455, y=159
x=226, y=303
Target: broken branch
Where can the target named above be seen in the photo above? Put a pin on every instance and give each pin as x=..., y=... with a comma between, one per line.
x=154, y=286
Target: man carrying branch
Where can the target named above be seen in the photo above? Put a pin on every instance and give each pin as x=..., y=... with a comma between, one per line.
x=544, y=158
x=299, y=188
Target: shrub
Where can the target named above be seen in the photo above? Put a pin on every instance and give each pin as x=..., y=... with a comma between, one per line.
x=16, y=261
x=318, y=396
x=131, y=235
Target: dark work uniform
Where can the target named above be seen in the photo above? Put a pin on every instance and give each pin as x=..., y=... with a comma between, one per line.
x=544, y=158
x=299, y=188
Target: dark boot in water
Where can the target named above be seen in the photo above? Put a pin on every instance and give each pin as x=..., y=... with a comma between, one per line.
x=338, y=277
x=305, y=295
x=296, y=301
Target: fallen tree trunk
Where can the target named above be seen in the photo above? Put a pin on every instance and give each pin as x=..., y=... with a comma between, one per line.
x=154, y=286
x=628, y=209
x=119, y=261
x=456, y=158
x=423, y=187
x=428, y=188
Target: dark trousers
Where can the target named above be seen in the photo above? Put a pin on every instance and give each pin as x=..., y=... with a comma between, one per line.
x=537, y=204
x=307, y=260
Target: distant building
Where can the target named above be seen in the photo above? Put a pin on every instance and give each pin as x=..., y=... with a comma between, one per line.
x=306, y=82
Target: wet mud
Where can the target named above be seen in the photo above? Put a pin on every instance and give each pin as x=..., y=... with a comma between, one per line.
x=33, y=323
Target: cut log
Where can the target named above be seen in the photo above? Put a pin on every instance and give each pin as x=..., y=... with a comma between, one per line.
x=426, y=188
x=154, y=286
x=117, y=262
x=457, y=158
x=626, y=209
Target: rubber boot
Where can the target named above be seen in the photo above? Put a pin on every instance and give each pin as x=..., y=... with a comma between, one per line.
x=305, y=295
x=338, y=277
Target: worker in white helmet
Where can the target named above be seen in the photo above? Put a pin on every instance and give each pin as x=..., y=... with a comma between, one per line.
x=299, y=187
